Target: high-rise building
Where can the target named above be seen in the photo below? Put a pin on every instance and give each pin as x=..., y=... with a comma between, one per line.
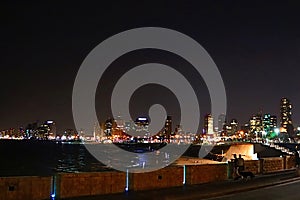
x=108, y=127
x=208, y=124
x=286, y=123
x=273, y=122
x=221, y=123
x=267, y=123
x=141, y=124
x=256, y=125
x=52, y=128
x=232, y=128
x=285, y=113
x=234, y=125
x=120, y=123
x=168, y=127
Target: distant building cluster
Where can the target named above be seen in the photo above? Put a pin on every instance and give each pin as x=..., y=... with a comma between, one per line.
x=36, y=130
x=118, y=130
x=259, y=127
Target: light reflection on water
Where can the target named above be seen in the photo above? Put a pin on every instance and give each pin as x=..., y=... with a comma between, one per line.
x=47, y=158
x=122, y=160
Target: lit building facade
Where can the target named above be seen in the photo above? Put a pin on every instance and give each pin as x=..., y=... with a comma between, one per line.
x=120, y=123
x=232, y=128
x=141, y=124
x=168, y=127
x=273, y=122
x=267, y=123
x=269, y=126
x=208, y=124
x=52, y=128
x=221, y=123
x=108, y=127
x=285, y=113
x=256, y=126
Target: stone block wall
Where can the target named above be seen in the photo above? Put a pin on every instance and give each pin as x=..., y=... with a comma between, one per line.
x=272, y=165
x=253, y=166
x=163, y=178
x=20, y=188
x=197, y=174
x=87, y=184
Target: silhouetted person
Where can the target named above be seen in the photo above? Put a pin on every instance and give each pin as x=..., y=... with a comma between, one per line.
x=240, y=163
x=236, y=174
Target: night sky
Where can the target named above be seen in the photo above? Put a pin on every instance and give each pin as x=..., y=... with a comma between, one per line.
x=256, y=47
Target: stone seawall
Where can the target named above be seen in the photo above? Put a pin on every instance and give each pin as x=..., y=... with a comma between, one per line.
x=270, y=165
x=20, y=188
x=253, y=166
x=163, y=178
x=88, y=184
x=197, y=174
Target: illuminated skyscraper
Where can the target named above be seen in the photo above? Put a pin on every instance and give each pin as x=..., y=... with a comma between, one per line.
x=221, y=122
x=108, y=127
x=52, y=127
x=208, y=124
x=168, y=127
x=252, y=127
x=232, y=128
x=142, y=124
x=285, y=113
x=267, y=123
x=286, y=117
x=46, y=130
x=256, y=125
x=273, y=122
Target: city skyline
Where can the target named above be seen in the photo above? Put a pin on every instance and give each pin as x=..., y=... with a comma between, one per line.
x=222, y=126
x=255, y=46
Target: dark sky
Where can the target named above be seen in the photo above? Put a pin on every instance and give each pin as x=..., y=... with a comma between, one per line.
x=255, y=45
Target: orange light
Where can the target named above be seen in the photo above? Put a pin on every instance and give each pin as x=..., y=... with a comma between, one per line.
x=283, y=130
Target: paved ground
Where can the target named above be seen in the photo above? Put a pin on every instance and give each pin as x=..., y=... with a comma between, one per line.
x=287, y=191
x=204, y=191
